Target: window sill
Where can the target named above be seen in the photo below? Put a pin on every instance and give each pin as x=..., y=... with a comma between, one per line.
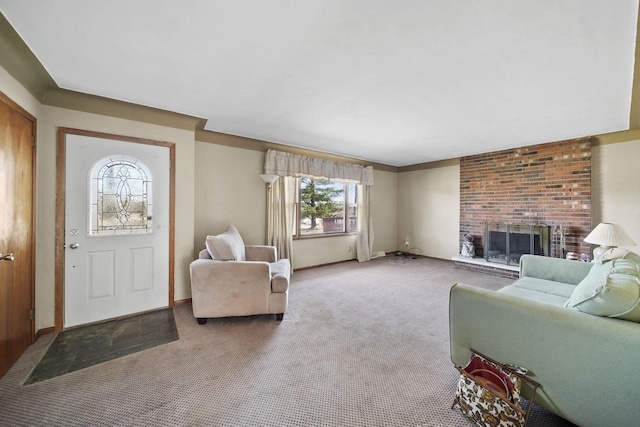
x=320, y=236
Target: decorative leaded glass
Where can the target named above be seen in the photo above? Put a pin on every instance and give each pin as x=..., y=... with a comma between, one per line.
x=121, y=201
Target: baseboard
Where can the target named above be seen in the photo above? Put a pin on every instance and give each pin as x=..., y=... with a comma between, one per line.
x=45, y=331
x=182, y=301
x=323, y=265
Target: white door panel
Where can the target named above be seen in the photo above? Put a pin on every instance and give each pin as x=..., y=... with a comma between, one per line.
x=117, y=274
x=101, y=281
x=142, y=277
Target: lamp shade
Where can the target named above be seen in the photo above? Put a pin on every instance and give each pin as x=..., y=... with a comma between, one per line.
x=269, y=179
x=606, y=234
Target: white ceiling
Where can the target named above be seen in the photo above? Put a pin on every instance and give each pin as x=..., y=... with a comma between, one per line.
x=399, y=83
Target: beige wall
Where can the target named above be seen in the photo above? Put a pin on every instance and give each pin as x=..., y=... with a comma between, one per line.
x=616, y=186
x=429, y=210
x=384, y=211
x=229, y=191
x=421, y=205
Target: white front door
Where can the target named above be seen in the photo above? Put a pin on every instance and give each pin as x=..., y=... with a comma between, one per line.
x=116, y=228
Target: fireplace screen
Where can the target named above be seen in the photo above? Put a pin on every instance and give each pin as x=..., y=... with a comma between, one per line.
x=506, y=243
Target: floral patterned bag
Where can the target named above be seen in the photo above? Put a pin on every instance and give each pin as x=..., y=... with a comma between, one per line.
x=488, y=393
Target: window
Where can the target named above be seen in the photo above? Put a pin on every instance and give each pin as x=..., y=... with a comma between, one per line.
x=120, y=197
x=324, y=207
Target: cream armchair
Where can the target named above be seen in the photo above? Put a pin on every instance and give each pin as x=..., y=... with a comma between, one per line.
x=231, y=279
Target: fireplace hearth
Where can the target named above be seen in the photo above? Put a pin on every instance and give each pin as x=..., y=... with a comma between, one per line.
x=505, y=243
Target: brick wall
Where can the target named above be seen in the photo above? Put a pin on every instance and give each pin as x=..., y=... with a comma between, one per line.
x=546, y=183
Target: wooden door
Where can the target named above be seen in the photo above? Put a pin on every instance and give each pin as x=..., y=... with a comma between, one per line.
x=17, y=154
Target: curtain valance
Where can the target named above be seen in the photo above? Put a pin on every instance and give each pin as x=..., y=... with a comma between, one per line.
x=288, y=164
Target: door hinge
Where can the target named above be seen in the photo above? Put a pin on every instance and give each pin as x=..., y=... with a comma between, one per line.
x=32, y=313
x=33, y=141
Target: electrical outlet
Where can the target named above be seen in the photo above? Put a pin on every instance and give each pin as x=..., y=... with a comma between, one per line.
x=406, y=242
x=349, y=248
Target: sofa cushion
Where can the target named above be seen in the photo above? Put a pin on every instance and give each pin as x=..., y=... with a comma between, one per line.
x=563, y=290
x=540, y=290
x=611, y=289
x=554, y=269
x=227, y=246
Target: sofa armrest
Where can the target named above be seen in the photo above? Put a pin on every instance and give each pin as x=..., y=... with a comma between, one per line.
x=261, y=253
x=205, y=272
x=554, y=269
x=280, y=275
x=576, y=357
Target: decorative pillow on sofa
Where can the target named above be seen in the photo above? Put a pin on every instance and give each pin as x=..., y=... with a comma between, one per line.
x=611, y=289
x=227, y=246
x=633, y=257
x=617, y=253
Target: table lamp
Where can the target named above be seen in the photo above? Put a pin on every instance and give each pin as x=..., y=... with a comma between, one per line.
x=607, y=236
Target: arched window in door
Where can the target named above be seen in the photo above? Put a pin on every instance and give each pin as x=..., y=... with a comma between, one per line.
x=120, y=199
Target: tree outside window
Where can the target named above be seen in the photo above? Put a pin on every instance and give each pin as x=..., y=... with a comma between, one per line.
x=326, y=207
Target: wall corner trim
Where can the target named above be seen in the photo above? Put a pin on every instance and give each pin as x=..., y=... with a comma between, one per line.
x=87, y=103
x=21, y=63
x=615, y=137
x=246, y=143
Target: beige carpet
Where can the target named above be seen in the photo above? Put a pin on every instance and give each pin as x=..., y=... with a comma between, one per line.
x=361, y=345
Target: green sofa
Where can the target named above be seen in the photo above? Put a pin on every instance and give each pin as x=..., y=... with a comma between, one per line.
x=588, y=365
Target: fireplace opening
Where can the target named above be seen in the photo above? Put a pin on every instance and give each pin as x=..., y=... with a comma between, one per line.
x=506, y=243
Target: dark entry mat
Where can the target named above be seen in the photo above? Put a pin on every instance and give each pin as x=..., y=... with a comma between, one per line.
x=89, y=345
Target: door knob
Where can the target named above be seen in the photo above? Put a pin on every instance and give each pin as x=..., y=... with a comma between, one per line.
x=7, y=257
x=74, y=245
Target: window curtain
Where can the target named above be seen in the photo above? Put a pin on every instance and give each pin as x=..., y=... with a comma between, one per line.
x=280, y=214
x=281, y=207
x=289, y=164
x=274, y=215
x=364, y=241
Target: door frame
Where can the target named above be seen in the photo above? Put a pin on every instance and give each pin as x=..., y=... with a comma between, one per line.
x=61, y=145
x=32, y=279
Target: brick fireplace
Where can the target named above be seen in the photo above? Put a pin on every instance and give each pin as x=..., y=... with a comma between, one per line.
x=541, y=184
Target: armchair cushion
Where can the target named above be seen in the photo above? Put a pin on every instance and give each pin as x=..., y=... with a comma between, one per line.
x=227, y=246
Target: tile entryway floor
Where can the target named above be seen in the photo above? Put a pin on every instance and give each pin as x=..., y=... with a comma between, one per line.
x=89, y=345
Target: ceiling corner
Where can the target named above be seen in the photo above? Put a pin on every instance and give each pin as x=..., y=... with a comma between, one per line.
x=21, y=63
